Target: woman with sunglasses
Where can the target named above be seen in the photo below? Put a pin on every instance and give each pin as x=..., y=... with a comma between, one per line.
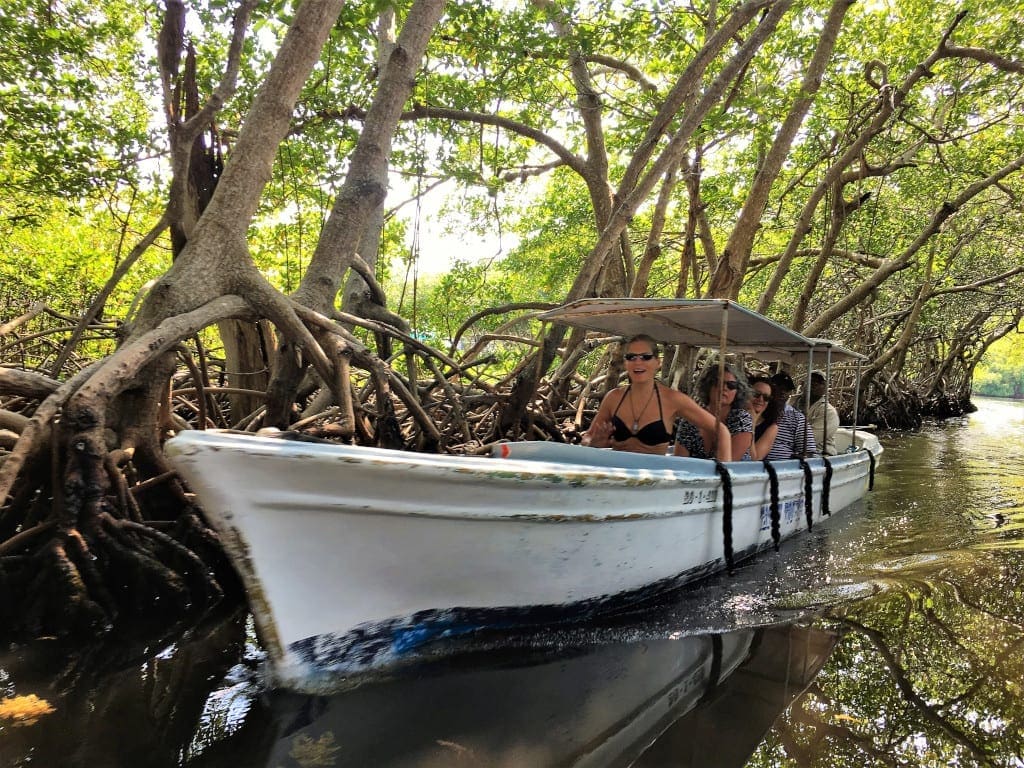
x=764, y=408
x=640, y=417
x=726, y=405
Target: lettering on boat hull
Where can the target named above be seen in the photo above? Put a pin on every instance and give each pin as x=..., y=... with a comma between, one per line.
x=789, y=512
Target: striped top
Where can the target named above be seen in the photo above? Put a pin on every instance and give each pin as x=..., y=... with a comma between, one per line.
x=789, y=441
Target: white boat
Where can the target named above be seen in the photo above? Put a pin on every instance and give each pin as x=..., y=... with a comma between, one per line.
x=353, y=557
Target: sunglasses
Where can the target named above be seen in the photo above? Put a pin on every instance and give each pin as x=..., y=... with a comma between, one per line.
x=645, y=356
x=732, y=385
x=760, y=396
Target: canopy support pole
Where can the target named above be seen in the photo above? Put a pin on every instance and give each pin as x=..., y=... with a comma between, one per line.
x=723, y=344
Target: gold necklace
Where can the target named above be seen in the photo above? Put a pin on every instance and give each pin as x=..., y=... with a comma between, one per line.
x=636, y=419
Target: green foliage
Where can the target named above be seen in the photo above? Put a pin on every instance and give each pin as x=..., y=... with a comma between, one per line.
x=67, y=261
x=80, y=112
x=954, y=128
x=540, y=268
x=64, y=262
x=72, y=114
x=1001, y=372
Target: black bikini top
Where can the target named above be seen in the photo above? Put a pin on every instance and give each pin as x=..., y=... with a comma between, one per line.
x=653, y=433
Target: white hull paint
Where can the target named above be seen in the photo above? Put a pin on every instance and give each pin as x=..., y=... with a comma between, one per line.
x=353, y=556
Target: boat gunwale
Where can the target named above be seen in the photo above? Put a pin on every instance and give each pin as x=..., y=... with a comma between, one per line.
x=558, y=472
x=657, y=489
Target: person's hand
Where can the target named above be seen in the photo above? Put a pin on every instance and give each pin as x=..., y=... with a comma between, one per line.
x=599, y=435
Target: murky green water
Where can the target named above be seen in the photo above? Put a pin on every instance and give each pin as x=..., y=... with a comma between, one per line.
x=893, y=636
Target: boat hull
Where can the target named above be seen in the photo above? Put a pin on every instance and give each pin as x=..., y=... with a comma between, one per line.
x=353, y=557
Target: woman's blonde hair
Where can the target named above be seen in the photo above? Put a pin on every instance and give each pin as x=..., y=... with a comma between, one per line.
x=645, y=339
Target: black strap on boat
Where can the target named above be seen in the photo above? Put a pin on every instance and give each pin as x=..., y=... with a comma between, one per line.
x=773, y=500
x=808, y=493
x=826, y=486
x=715, y=673
x=723, y=472
x=871, y=471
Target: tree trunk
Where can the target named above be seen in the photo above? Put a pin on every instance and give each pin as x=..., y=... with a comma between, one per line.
x=586, y=278
x=728, y=277
x=653, y=249
x=99, y=555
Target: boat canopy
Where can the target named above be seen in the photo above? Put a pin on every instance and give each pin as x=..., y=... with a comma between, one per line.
x=717, y=323
x=837, y=353
x=714, y=323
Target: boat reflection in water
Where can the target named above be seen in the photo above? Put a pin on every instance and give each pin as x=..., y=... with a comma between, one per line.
x=621, y=696
x=599, y=706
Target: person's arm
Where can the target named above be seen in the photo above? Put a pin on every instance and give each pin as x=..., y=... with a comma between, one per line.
x=739, y=443
x=723, y=450
x=831, y=425
x=764, y=443
x=599, y=435
x=678, y=448
x=741, y=431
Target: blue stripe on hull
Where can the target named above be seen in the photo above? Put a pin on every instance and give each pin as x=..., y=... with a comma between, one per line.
x=394, y=641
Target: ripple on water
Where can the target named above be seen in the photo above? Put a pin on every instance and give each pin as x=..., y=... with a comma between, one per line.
x=829, y=595
x=923, y=561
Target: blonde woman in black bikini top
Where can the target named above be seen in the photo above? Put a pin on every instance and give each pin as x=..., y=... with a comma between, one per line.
x=640, y=417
